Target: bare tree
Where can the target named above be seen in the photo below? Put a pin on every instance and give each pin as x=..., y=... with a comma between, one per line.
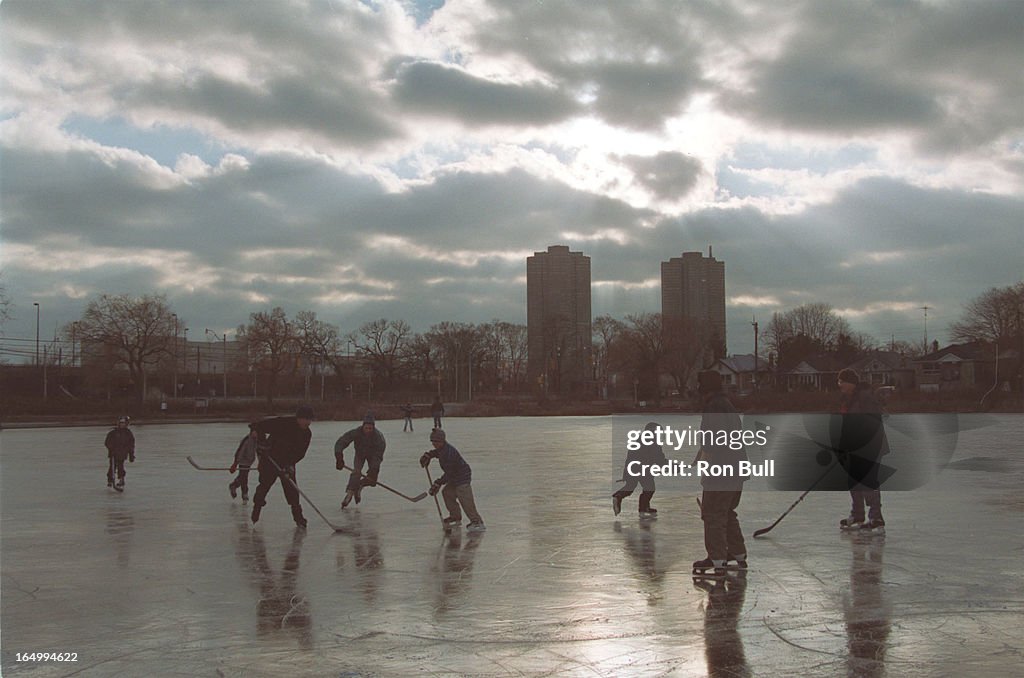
x=688, y=346
x=133, y=331
x=318, y=340
x=994, y=316
x=271, y=343
x=606, y=331
x=383, y=344
x=514, y=348
x=5, y=305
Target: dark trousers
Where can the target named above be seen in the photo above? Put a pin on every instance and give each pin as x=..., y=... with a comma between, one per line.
x=860, y=496
x=372, y=471
x=268, y=476
x=242, y=481
x=115, y=465
x=437, y=420
x=408, y=423
x=722, y=535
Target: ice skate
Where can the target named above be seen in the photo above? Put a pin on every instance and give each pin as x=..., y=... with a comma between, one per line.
x=255, y=513
x=231, y=489
x=709, y=568
x=452, y=523
x=616, y=504
x=245, y=498
x=874, y=527
x=119, y=485
x=851, y=524
x=300, y=520
x=646, y=511
x=348, y=498
x=736, y=563
x=476, y=527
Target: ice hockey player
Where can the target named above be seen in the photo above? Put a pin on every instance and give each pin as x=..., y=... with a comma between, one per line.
x=455, y=479
x=369, y=444
x=862, y=442
x=647, y=454
x=437, y=411
x=120, y=444
x=245, y=457
x=722, y=536
x=407, y=411
x=283, y=442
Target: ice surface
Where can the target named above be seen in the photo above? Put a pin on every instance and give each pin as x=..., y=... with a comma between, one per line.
x=171, y=579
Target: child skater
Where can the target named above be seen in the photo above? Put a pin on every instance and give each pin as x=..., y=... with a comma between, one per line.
x=245, y=457
x=647, y=455
x=455, y=479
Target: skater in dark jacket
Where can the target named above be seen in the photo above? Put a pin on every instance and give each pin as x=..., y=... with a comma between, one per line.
x=120, y=444
x=437, y=411
x=370, y=446
x=862, y=443
x=455, y=479
x=283, y=442
x=723, y=538
x=245, y=458
x=647, y=455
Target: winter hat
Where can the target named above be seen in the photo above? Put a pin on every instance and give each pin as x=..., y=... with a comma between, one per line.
x=709, y=381
x=849, y=376
x=124, y=418
x=368, y=418
x=438, y=436
x=304, y=412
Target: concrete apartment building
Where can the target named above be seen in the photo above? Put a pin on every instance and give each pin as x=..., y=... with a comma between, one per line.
x=693, y=286
x=558, y=319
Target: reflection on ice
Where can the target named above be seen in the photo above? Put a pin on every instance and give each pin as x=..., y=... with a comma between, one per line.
x=172, y=578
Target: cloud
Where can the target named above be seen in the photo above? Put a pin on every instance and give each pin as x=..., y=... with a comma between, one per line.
x=435, y=89
x=668, y=175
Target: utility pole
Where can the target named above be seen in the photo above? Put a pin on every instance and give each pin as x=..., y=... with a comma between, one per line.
x=925, y=309
x=753, y=321
x=36, y=304
x=174, y=359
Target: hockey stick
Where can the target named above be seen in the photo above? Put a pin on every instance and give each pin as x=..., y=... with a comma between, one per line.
x=218, y=468
x=285, y=476
x=765, y=530
x=447, y=529
x=418, y=497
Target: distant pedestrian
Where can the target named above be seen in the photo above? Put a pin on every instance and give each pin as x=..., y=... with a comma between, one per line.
x=245, y=458
x=370, y=445
x=437, y=411
x=862, y=443
x=723, y=538
x=456, y=480
x=283, y=442
x=407, y=411
x=647, y=455
x=120, y=444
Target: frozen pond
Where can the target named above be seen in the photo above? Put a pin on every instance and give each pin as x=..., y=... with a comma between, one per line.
x=171, y=579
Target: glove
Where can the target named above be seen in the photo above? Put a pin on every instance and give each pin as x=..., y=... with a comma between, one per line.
x=131, y=459
x=234, y=467
x=425, y=459
x=339, y=461
x=434, y=488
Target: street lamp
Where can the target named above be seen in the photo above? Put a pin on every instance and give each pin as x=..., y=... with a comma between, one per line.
x=36, y=304
x=224, y=340
x=174, y=358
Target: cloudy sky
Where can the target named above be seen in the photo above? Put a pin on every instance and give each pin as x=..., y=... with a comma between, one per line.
x=402, y=159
